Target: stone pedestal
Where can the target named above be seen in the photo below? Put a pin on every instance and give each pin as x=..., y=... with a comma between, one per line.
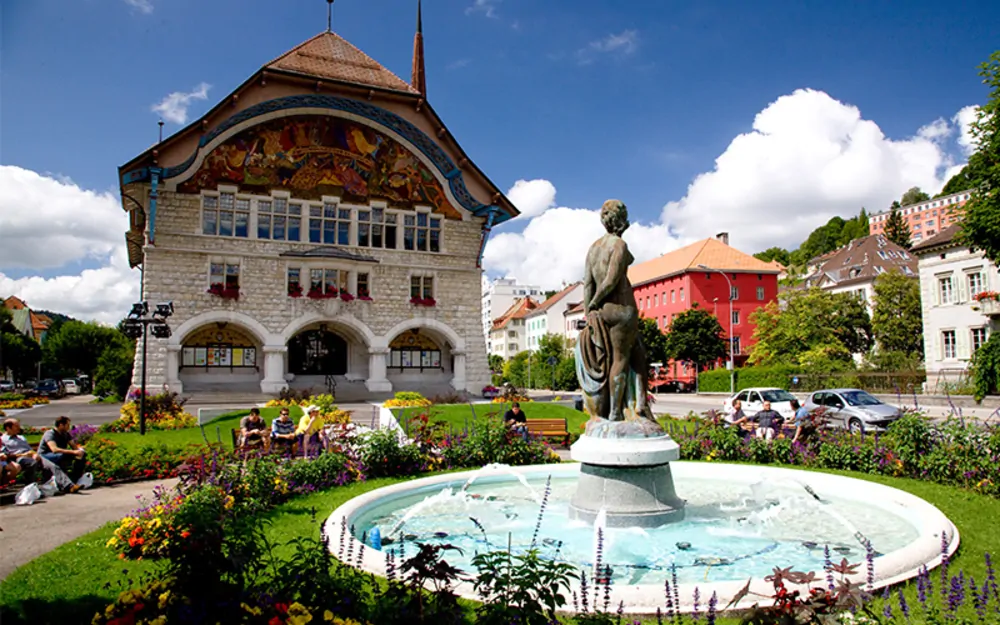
x=625, y=469
x=377, y=381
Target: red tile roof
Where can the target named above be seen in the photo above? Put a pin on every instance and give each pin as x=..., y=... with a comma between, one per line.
x=555, y=299
x=517, y=310
x=709, y=252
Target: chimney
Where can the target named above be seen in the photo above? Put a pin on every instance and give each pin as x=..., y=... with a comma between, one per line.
x=723, y=236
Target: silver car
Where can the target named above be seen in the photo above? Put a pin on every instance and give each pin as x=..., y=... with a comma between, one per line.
x=853, y=409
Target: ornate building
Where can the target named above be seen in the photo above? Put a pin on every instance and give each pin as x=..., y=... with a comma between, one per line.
x=318, y=221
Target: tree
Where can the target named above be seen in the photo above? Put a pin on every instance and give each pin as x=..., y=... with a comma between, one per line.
x=897, y=230
x=114, y=369
x=496, y=363
x=980, y=228
x=985, y=366
x=653, y=340
x=810, y=327
x=913, y=195
x=76, y=346
x=20, y=354
x=958, y=182
x=897, y=322
x=549, y=294
x=695, y=336
x=779, y=254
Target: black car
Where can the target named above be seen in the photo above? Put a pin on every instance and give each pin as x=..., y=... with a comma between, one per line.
x=50, y=388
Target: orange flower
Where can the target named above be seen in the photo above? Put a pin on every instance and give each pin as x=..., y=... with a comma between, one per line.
x=185, y=534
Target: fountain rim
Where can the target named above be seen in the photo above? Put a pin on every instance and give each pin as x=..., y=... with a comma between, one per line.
x=892, y=568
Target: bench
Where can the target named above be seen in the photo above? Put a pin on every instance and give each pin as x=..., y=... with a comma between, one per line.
x=549, y=428
x=256, y=442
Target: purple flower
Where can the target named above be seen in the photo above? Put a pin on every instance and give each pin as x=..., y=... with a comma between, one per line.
x=713, y=602
x=903, y=607
x=956, y=593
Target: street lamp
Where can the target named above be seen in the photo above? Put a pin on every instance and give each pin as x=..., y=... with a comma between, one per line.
x=732, y=367
x=135, y=326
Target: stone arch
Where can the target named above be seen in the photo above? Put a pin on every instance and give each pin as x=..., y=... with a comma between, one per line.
x=457, y=343
x=356, y=328
x=257, y=331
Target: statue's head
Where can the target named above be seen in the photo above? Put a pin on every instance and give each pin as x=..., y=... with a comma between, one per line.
x=614, y=216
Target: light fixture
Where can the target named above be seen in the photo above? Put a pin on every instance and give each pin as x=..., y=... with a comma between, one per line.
x=132, y=328
x=160, y=330
x=138, y=310
x=164, y=310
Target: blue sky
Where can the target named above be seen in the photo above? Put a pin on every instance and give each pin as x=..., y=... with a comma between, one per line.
x=601, y=98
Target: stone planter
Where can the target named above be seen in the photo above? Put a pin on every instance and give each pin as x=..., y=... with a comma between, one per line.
x=989, y=307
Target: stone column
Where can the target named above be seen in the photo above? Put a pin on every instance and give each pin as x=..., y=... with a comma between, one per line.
x=274, y=369
x=458, y=375
x=377, y=381
x=173, y=369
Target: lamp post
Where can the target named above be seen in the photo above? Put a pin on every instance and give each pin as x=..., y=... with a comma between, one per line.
x=140, y=323
x=732, y=367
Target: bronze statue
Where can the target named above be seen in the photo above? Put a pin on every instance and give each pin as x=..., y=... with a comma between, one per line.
x=611, y=360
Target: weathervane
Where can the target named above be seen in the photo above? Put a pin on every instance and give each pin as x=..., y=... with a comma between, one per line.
x=329, y=15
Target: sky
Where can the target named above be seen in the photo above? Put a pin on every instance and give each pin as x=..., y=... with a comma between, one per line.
x=762, y=119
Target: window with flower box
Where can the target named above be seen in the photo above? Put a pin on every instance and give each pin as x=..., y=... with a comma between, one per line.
x=422, y=233
x=422, y=290
x=330, y=225
x=377, y=228
x=224, y=279
x=364, y=286
x=278, y=220
x=225, y=215
x=326, y=283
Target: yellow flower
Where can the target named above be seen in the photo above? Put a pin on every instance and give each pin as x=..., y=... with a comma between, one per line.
x=298, y=614
x=164, y=600
x=253, y=611
x=327, y=615
x=159, y=620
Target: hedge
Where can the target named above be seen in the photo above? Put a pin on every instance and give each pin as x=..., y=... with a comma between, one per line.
x=780, y=376
x=717, y=380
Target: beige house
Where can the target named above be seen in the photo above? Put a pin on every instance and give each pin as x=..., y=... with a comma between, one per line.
x=320, y=222
x=509, y=335
x=854, y=267
x=548, y=317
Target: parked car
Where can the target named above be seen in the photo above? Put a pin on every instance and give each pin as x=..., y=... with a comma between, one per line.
x=6, y=386
x=71, y=387
x=753, y=401
x=50, y=388
x=853, y=409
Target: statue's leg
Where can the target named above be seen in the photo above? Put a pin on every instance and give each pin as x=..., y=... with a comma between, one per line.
x=618, y=375
x=642, y=373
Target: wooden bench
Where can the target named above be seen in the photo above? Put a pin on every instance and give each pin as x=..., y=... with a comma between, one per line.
x=549, y=428
x=255, y=443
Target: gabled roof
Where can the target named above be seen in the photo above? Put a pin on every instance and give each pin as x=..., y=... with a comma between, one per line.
x=709, y=252
x=518, y=310
x=555, y=299
x=328, y=55
x=943, y=238
x=862, y=260
x=572, y=309
x=14, y=303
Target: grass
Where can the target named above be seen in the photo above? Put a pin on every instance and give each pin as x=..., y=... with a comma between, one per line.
x=82, y=576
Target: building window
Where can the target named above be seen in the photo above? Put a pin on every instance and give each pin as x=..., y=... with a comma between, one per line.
x=760, y=294
x=421, y=287
x=512, y=347
x=673, y=296
x=975, y=283
x=948, y=342
x=978, y=338
x=225, y=215
x=736, y=345
x=734, y=293
x=422, y=233
x=647, y=301
x=377, y=228
x=736, y=318
x=364, y=286
x=224, y=275
x=656, y=300
x=329, y=225
x=294, y=281
x=945, y=291
x=682, y=294
x=326, y=281
x=279, y=221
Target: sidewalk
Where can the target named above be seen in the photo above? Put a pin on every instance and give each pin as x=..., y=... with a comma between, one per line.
x=30, y=531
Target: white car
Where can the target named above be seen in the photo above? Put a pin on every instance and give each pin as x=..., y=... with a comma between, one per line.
x=753, y=401
x=72, y=388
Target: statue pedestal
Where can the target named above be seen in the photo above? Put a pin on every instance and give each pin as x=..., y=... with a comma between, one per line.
x=628, y=476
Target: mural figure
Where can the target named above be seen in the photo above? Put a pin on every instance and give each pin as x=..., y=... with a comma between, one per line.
x=312, y=156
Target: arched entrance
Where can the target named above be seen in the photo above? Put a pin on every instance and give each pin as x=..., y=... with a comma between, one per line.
x=317, y=352
x=220, y=356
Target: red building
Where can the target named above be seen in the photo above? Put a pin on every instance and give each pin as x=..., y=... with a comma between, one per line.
x=924, y=218
x=668, y=285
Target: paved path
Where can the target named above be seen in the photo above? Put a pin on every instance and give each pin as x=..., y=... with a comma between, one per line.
x=30, y=531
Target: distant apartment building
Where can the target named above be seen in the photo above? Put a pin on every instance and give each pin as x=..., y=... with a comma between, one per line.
x=498, y=296
x=548, y=318
x=508, y=335
x=706, y=273
x=924, y=218
x=854, y=267
x=955, y=323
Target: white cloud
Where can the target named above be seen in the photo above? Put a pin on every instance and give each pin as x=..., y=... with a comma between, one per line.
x=807, y=158
x=623, y=44
x=963, y=119
x=486, y=7
x=143, y=6
x=46, y=222
x=174, y=107
x=458, y=64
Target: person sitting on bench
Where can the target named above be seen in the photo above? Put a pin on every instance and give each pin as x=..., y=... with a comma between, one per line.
x=58, y=447
x=283, y=432
x=253, y=429
x=516, y=421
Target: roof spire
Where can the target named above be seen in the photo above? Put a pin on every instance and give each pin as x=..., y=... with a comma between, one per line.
x=329, y=15
x=419, y=78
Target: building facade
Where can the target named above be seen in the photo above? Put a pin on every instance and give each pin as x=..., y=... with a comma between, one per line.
x=572, y=317
x=509, y=335
x=924, y=218
x=955, y=324
x=32, y=324
x=498, y=296
x=854, y=267
x=319, y=222
x=668, y=285
x=548, y=317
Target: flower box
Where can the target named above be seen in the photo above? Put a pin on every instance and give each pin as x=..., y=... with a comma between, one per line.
x=220, y=290
x=989, y=307
x=365, y=298
x=429, y=302
x=294, y=290
x=314, y=294
x=347, y=297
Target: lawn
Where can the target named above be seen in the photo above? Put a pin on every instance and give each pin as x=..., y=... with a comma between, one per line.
x=82, y=576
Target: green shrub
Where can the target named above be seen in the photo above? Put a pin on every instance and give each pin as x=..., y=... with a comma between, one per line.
x=717, y=380
x=383, y=455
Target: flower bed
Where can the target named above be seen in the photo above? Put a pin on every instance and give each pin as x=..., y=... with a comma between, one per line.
x=22, y=403
x=407, y=399
x=163, y=412
x=111, y=462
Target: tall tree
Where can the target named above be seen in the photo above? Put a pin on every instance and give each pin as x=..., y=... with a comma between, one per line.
x=20, y=355
x=958, y=182
x=913, y=195
x=779, y=254
x=897, y=322
x=981, y=225
x=897, y=230
x=695, y=336
x=76, y=346
x=810, y=327
x=653, y=340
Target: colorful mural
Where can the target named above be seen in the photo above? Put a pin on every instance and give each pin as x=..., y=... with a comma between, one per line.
x=312, y=156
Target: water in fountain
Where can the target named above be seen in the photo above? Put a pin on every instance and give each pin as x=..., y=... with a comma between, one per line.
x=506, y=468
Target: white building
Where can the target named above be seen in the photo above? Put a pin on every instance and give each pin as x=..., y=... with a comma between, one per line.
x=854, y=267
x=571, y=316
x=548, y=317
x=507, y=336
x=955, y=324
x=498, y=297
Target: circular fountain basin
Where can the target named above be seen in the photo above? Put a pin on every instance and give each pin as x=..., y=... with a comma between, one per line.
x=741, y=522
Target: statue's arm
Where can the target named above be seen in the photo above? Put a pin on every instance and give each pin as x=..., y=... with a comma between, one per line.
x=615, y=274
x=588, y=285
